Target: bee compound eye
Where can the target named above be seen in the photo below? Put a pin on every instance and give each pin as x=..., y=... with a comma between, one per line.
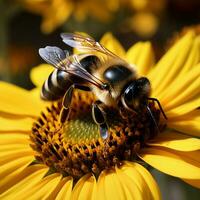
x=116, y=73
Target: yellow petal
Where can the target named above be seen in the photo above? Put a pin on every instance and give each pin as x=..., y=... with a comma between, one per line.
x=85, y=188
x=14, y=138
x=194, y=183
x=63, y=184
x=184, y=165
x=22, y=182
x=80, y=13
x=188, y=124
x=6, y=156
x=147, y=181
x=23, y=124
x=151, y=183
x=141, y=54
x=9, y=172
x=111, y=43
x=188, y=73
x=193, y=57
x=187, y=127
x=35, y=93
x=99, y=11
x=176, y=141
x=195, y=114
x=184, y=89
x=40, y=73
x=130, y=187
x=11, y=147
x=43, y=188
x=56, y=15
x=66, y=190
x=18, y=101
x=10, y=179
x=100, y=186
x=184, y=108
x=170, y=64
x=134, y=52
x=109, y=186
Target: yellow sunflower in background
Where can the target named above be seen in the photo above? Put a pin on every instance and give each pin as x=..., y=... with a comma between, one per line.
x=39, y=160
x=56, y=12
x=145, y=17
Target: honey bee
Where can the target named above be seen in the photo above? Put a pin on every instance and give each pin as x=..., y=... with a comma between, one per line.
x=113, y=81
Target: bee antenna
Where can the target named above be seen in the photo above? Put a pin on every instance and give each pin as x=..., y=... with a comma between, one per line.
x=153, y=118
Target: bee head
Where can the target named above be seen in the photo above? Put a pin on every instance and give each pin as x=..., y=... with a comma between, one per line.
x=136, y=93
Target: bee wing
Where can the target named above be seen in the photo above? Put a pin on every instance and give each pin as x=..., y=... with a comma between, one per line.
x=70, y=64
x=85, y=44
x=75, y=68
x=53, y=55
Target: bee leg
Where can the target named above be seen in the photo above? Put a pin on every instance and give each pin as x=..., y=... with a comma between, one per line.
x=99, y=118
x=64, y=115
x=65, y=112
x=159, y=105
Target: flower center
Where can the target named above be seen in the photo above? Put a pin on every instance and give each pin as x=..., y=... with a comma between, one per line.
x=76, y=148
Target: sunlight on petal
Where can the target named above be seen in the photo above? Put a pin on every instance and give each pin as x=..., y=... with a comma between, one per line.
x=43, y=188
x=141, y=54
x=22, y=103
x=111, y=43
x=132, y=188
x=15, y=124
x=187, y=89
x=13, y=147
x=85, y=188
x=189, y=72
x=64, y=183
x=35, y=93
x=183, y=109
x=14, y=138
x=13, y=154
x=174, y=163
x=7, y=168
x=151, y=184
x=188, y=124
x=193, y=58
x=176, y=141
x=24, y=181
x=40, y=73
x=50, y=23
x=109, y=186
x=170, y=63
x=11, y=172
x=66, y=190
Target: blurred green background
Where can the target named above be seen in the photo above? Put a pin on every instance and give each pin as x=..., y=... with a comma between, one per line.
x=27, y=25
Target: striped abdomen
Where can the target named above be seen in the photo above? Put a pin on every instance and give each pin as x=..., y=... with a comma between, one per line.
x=56, y=85
x=59, y=81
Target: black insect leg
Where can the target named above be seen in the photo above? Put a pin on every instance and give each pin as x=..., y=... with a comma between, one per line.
x=65, y=112
x=99, y=117
x=159, y=105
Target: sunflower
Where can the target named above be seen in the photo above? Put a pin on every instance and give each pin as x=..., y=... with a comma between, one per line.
x=40, y=159
x=57, y=12
x=146, y=16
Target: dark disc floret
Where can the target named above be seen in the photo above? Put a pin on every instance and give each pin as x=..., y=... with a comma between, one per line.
x=75, y=148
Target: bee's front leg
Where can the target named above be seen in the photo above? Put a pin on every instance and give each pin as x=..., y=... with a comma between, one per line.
x=65, y=112
x=99, y=117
